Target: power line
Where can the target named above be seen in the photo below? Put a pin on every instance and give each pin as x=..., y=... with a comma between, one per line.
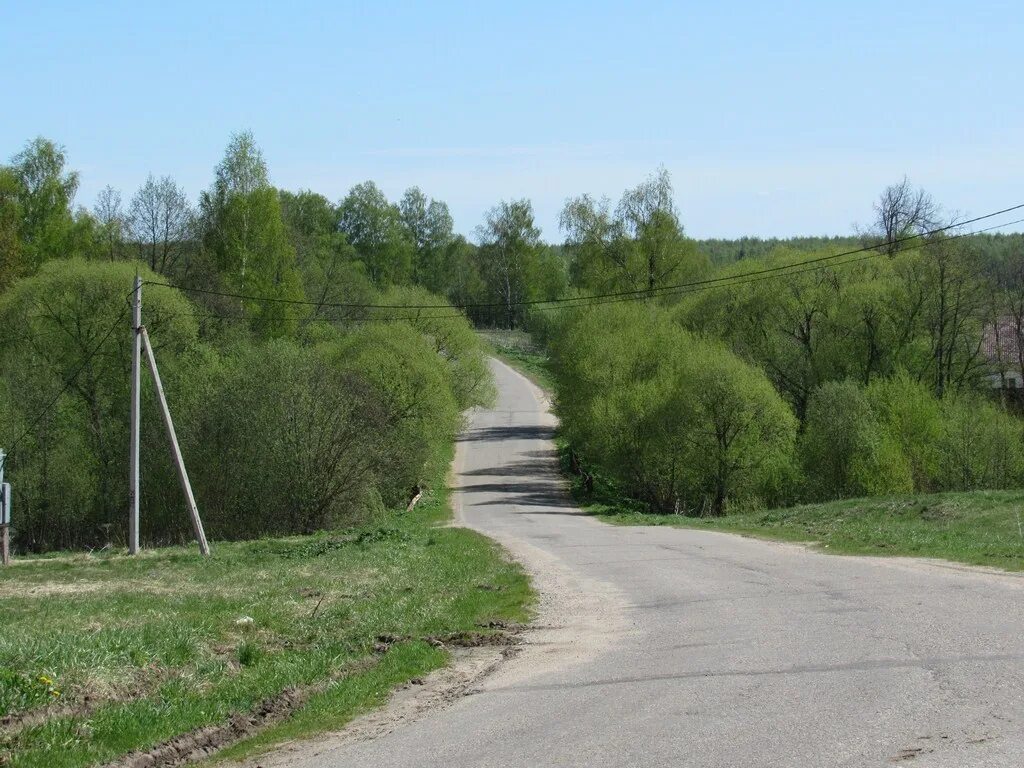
x=641, y=292
x=725, y=281
x=794, y=271
x=746, y=278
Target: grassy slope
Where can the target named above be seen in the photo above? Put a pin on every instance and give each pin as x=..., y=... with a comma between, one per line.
x=123, y=653
x=979, y=527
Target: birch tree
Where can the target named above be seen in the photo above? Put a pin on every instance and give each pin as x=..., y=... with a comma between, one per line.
x=509, y=247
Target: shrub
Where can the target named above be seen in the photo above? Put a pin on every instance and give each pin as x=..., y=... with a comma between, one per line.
x=844, y=449
x=283, y=441
x=678, y=420
x=738, y=431
x=895, y=437
x=880, y=467
x=838, y=420
x=453, y=338
x=281, y=436
x=420, y=412
x=980, y=446
x=910, y=415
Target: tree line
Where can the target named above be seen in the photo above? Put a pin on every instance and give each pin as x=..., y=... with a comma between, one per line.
x=318, y=354
x=293, y=415
x=774, y=383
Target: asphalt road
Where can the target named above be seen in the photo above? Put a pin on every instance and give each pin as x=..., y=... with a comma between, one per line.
x=667, y=647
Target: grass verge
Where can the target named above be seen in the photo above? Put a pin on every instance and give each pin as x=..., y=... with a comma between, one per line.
x=103, y=655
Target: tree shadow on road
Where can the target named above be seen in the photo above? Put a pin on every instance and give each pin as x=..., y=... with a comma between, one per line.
x=511, y=432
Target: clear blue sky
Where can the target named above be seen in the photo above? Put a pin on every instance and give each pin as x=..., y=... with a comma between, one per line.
x=774, y=118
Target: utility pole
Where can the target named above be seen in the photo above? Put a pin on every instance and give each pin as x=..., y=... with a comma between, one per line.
x=179, y=462
x=133, y=457
x=140, y=338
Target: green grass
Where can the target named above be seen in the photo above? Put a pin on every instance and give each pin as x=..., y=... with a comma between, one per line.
x=108, y=654
x=976, y=527
x=518, y=350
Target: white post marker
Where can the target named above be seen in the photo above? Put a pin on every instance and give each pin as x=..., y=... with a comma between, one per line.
x=133, y=454
x=179, y=463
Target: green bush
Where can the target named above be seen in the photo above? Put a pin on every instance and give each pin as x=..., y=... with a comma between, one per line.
x=680, y=422
x=845, y=451
x=739, y=432
x=880, y=467
x=453, y=338
x=837, y=420
x=282, y=436
x=282, y=441
x=294, y=439
x=895, y=436
x=981, y=446
x=910, y=415
x=417, y=395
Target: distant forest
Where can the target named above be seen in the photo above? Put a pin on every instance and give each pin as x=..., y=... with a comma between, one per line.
x=720, y=251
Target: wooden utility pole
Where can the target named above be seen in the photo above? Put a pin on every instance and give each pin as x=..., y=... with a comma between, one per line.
x=133, y=456
x=179, y=463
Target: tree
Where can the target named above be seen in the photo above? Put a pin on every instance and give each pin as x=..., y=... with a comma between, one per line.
x=242, y=169
x=648, y=215
x=980, y=446
x=1006, y=310
x=509, y=246
x=45, y=194
x=111, y=222
x=466, y=284
x=10, y=222
x=939, y=305
x=258, y=260
x=160, y=220
x=903, y=211
x=330, y=272
x=641, y=246
x=68, y=472
x=374, y=228
x=783, y=326
x=244, y=231
x=428, y=226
